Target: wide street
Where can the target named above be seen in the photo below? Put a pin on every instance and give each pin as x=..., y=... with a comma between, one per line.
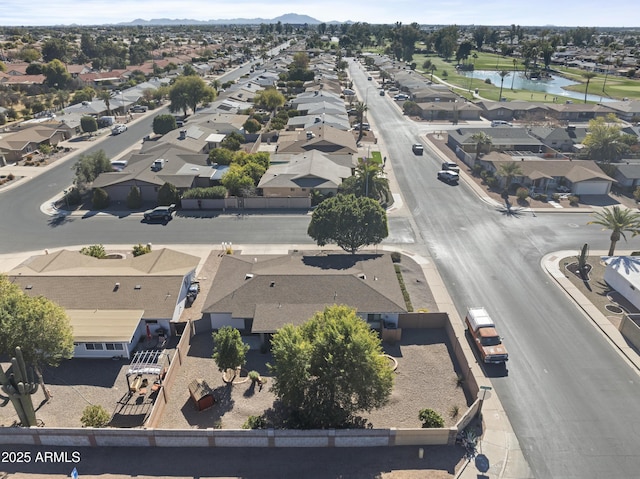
x=569, y=395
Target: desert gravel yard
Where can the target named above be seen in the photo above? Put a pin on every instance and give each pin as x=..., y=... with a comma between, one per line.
x=425, y=377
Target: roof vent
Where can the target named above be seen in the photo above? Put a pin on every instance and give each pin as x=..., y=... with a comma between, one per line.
x=116, y=287
x=137, y=286
x=248, y=276
x=272, y=284
x=29, y=286
x=362, y=276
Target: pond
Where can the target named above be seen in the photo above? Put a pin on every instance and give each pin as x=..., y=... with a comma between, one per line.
x=553, y=86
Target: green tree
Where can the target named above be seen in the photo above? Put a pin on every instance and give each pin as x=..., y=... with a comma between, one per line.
x=221, y=156
x=29, y=54
x=188, y=92
x=163, y=124
x=482, y=141
x=105, y=96
x=330, y=368
x=168, y=194
x=134, y=198
x=86, y=94
x=95, y=250
x=100, y=199
x=269, y=99
x=95, y=416
x=38, y=326
x=368, y=180
x=252, y=125
x=237, y=181
x=229, y=351
x=588, y=76
x=619, y=221
x=361, y=109
x=604, y=141
x=503, y=73
x=89, y=166
x=61, y=98
x=509, y=171
x=55, y=49
x=88, y=124
x=56, y=74
x=232, y=142
x=350, y=222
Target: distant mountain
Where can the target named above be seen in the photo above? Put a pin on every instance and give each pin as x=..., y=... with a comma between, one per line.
x=290, y=18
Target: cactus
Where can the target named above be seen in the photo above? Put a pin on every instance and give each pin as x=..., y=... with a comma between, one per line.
x=582, y=259
x=18, y=387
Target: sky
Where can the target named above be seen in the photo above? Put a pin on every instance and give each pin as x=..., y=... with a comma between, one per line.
x=587, y=13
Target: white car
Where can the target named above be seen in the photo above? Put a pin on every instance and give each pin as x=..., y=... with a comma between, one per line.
x=365, y=126
x=117, y=129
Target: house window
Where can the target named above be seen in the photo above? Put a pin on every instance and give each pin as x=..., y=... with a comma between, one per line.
x=113, y=346
x=371, y=317
x=94, y=346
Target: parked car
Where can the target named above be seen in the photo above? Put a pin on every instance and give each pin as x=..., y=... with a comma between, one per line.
x=365, y=126
x=448, y=176
x=451, y=166
x=417, y=148
x=163, y=213
x=401, y=97
x=495, y=123
x=192, y=292
x=117, y=129
x=139, y=108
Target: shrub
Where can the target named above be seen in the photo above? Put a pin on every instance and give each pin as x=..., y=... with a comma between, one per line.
x=255, y=422
x=254, y=376
x=210, y=193
x=134, y=198
x=492, y=182
x=454, y=411
x=100, y=199
x=10, y=177
x=522, y=193
x=574, y=200
x=430, y=418
x=541, y=197
x=95, y=416
x=396, y=256
x=140, y=249
x=556, y=197
x=96, y=250
x=74, y=197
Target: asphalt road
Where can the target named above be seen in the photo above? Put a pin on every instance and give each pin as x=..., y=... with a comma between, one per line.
x=571, y=399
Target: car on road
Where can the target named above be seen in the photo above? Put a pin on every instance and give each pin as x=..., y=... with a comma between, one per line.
x=162, y=213
x=117, y=129
x=448, y=176
x=365, y=126
x=417, y=149
x=381, y=92
x=369, y=78
x=451, y=166
x=401, y=97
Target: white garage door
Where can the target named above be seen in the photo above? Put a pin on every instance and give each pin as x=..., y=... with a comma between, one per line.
x=592, y=188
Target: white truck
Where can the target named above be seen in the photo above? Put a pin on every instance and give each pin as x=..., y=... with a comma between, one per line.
x=483, y=332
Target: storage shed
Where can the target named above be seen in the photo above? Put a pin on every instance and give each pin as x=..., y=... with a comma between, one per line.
x=201, y=394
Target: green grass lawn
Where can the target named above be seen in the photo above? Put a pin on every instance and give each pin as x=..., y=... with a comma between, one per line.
x=616, y=87
x=376, y=156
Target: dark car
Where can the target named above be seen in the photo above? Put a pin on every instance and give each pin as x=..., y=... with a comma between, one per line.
x=192, y=292
x=162, y=213
x=418, y=149
x=448, y=176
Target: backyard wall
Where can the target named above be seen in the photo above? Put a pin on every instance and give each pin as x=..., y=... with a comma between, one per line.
x=151, y=437
x=630, y=329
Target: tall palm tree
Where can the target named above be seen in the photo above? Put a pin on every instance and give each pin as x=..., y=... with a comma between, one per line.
x=481, y=139
x=588, y=76
x=361, y=108
x=105, y=96
x=432, y=68
x=515, y=67
x=371, y=181
x=502, y=74
x=509, y=171
x=618, y=221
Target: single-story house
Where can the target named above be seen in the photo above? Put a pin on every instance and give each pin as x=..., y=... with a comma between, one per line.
x=502, y=139
x=17, y=144
x=449, y=110
x=583, y=177
x=577, y=111
x=179, y=166
x=305, y=172
x=627, y=174
x=623, y=274
x=111, y=303
x=512, y=110
x=320, y=137
x=307, y=121
x=626, y=110
x=260, y=294
x=560, y=139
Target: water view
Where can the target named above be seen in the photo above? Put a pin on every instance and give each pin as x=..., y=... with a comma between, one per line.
x=552, y=86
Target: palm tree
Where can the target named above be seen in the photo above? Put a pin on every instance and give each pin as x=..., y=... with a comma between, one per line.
x=515, y=67
x=588, y=76
x=481, y=139
x=432, y=68
x=105, y=96
x=361, y=108
x=509, y=171
x=618, y=221
x=502, y=74
x=372, y=183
